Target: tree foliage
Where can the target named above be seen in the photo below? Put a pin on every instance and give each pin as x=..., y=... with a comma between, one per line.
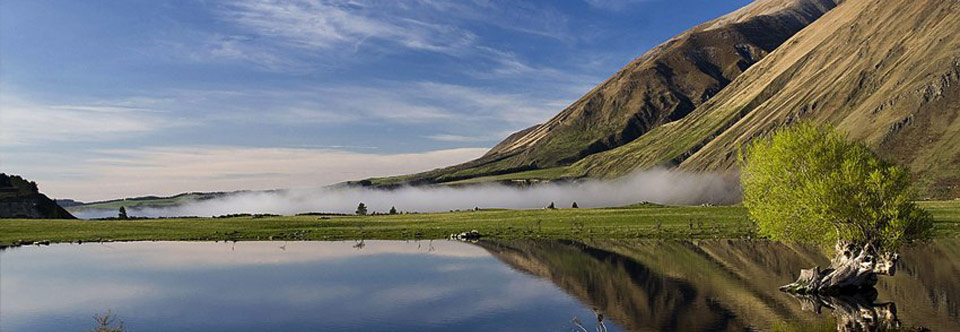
x=807, y=183
x=361, y=209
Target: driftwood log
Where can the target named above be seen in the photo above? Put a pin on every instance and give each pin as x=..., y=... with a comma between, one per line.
x=854, y=269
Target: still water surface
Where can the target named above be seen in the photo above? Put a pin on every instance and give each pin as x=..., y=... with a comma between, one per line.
x=446, y=286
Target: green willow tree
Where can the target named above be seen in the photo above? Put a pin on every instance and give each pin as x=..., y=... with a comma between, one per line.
x=807, y=183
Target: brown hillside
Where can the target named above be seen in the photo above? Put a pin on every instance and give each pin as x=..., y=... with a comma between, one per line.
x=886, y=72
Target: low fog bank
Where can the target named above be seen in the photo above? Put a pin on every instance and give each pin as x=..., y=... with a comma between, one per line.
x=658, y=186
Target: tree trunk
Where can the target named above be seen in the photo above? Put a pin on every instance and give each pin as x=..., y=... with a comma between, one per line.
x=854, y=269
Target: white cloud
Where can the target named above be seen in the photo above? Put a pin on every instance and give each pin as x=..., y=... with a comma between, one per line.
x=170, y=170
x=334, y=24
x=27, y=123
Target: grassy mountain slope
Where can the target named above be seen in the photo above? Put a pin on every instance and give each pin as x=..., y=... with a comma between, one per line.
x=887, y=73
x=661, y=86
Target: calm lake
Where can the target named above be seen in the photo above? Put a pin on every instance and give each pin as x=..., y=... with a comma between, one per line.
x=456, y=286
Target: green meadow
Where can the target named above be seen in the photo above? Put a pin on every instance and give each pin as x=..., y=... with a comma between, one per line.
x=641, y=221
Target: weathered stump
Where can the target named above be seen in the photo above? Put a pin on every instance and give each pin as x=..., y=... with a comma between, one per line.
x=854, y=269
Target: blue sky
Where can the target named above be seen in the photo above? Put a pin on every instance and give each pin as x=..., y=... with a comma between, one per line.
x=106, y=99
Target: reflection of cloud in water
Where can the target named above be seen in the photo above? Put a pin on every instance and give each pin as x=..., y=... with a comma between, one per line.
x=454, y=267
x=470, y=302
x=46, y=296
x=194, y=255
x=258, y=286
x=413, y=294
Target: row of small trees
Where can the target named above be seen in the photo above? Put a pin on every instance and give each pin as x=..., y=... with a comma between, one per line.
x=572, y=206
x=362, y=208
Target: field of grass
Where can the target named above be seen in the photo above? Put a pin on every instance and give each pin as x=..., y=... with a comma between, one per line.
x=636, y=221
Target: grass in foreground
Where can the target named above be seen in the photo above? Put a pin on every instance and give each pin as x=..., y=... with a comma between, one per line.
x=630, y=222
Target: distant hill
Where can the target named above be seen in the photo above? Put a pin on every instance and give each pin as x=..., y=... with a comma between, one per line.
x=147, y=202
x=885, y=72
x=20, y=198
x=110, y=207
x=65, y=203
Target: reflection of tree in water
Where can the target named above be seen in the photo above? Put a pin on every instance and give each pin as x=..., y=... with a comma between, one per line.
x=729, y=285
x=855, y=313
x=601, y=327
x=360, y=244
x=107, y=322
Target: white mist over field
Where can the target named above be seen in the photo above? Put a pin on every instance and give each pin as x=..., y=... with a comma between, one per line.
x=657, y=185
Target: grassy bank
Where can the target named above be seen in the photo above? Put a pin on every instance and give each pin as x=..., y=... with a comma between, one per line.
x=637, y=221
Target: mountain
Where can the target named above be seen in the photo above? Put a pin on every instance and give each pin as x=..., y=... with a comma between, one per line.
x=887, y=73
x=20, y=198
x=661, y=86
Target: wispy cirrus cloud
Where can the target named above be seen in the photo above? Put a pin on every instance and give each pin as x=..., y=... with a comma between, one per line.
x=430, y=25
x=220, y=48
x=24, y=122
x=292, y=35
x=329, y=24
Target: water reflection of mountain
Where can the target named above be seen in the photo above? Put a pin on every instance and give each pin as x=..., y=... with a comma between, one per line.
x=724, y=285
